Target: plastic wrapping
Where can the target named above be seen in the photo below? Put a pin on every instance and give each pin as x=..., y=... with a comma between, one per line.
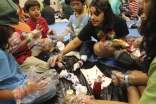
x=14, y=41
x=50, y=76
x=112, y=92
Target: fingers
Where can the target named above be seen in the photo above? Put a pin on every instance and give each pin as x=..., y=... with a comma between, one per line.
x=52, y=60
x=118, y=77
x=39, y=79
x=42, y=85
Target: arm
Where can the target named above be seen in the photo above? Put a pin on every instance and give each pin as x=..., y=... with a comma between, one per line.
x=72, y=45
x=149, y=92
x=117, y=44
x=138, y=78
x=22, y=45
x=103, y=102
x=6, y=95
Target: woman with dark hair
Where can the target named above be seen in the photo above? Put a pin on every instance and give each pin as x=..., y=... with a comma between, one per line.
x=147, y=30
x=103, y=26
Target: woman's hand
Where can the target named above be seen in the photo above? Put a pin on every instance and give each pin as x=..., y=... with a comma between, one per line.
x=118, y=77
x=52, y=60
x=135, y=41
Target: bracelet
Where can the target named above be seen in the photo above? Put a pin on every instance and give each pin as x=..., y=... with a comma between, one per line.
x=28, y=39
x=126, y=80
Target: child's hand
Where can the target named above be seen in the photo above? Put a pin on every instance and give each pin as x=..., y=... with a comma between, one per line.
x=14, y=41
x=51, y=32
x=105, y=45
x=47, y=43
x=36, y=85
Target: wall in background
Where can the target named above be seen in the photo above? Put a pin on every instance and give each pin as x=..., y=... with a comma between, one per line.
x=54, y=3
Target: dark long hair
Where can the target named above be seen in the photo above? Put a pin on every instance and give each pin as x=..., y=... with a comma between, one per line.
x=148, y=31
x=104, y=6
x=4, y=36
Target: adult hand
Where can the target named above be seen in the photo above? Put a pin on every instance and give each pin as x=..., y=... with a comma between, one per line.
x=118, y=78
x=135, y=41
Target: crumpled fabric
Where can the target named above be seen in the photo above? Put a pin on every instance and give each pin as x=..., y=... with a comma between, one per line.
x=112, y=92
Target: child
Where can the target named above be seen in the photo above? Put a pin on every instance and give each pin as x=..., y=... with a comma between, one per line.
x=133, y=9
x=23, y=15
x=24, y=56
x=103, y=26
x=116, y=6
x=76, y=23
x=48, y=12
x=12, y=76
x=32, y=7
x=67, y=9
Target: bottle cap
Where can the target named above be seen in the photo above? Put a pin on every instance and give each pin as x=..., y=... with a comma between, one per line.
x=69, y=91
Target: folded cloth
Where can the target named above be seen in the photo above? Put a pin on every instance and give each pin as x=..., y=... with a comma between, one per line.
x=90, y=75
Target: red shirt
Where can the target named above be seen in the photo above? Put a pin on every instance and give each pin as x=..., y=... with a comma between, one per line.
x=24, y=53
x=43, y=22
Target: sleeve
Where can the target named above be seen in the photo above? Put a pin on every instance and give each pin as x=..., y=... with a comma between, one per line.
x=121, y=28
x=149, y=94
x=5, y=70
x=70, y=21
x=86, y=32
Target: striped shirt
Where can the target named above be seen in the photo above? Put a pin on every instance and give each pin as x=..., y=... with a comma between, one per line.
x=134, y=7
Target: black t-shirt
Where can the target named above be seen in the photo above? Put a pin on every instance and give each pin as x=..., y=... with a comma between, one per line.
x=120, y=29
x=48, y=13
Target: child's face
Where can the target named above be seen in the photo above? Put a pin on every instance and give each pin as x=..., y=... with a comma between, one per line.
x=77, y=6
x=97, y=16
x=34, y=12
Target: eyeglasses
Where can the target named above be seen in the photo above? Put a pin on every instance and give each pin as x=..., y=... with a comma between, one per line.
x=76, y=4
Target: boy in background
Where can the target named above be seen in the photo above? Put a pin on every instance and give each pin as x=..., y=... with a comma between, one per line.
x=32, y=7
x=76, y=22
x=67, y=9
x=116, y=6
x=133, y=9
x=48, y=12
x=22, y=15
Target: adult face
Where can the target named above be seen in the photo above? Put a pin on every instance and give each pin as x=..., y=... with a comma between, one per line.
x=97, y=16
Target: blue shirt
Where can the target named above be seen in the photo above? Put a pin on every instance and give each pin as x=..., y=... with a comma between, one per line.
x=11, y=74
x=78, y=24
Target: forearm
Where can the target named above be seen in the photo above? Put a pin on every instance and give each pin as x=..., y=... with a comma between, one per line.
x=6, y=95
x=72, y=45
x=138, y=78
x=117, y=44
x=22, y=45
